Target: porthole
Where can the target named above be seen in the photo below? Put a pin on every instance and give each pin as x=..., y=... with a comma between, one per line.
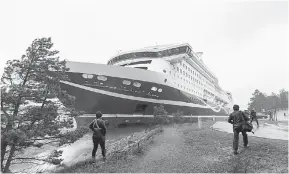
x=136, y=84
x=87, y=76
x=102, y=78
x=154, y=89
x=160, y=90
x=126, y=82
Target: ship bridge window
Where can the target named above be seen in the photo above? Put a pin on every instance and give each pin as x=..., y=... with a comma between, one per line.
x=136, y=84
x=102, y=78
x=141, y=62
x=126, y=82
x=87, y=76
x=160, y=90
x=142, y=68
x=154, y=88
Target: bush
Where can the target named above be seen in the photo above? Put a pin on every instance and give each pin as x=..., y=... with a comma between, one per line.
x=178, y=117
x=161, y=115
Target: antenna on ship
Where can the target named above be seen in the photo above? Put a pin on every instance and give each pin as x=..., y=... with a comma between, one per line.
x=200, y=55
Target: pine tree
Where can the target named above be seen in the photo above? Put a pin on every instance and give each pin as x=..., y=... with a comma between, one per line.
x=33, y=105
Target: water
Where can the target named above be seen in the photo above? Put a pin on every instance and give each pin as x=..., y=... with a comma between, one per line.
x=76, y=151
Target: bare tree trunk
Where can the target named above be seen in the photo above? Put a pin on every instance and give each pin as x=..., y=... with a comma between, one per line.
x=3, y=151
x=8, y=162
x=4, y=143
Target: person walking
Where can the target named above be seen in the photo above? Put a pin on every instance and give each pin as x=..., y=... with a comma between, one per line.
x=270, y=116
x=254, y=117
x=236, y=118
x=99, y=131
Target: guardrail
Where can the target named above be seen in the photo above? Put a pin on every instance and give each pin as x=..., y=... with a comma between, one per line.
x=122, y=117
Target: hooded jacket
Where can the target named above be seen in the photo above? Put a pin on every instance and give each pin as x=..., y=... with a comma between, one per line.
x=236, y=118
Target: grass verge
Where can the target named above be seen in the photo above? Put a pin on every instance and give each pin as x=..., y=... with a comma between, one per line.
x=202, y=151
x=215, y=148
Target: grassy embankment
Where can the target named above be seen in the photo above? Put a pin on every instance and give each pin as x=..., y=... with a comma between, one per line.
x=204, y=150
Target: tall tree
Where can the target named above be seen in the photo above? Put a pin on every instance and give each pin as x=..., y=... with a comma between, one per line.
x=29, y=89
x=274, y=101
x=257, y=101
x=283, y=94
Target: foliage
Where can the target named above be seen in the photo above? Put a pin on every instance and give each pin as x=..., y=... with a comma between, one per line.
x=161, y=115
x=160, y=111
x=178, y=116
x=261, y=101
x=34, y=107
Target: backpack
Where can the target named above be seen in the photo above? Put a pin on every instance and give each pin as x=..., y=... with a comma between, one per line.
x=96, y=128
x=246, y=126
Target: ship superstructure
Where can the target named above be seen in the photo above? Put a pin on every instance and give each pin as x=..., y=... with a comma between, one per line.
x=181, y=66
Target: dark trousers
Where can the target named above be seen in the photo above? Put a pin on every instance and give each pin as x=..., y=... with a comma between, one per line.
x=254, y=118
x=236, y=138
x=101, y=142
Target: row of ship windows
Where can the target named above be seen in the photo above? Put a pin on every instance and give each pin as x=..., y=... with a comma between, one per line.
x=197, y=87
x=190, y=90
x=188, y=75
x=125, y=82
x=189, y=82
x=200, y=82
x=206, y=93
x=187, y=68
x=193, y=72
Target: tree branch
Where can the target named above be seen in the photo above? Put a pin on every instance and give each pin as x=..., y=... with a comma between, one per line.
x=3, y=110
x=28, y=162
x=37, y=159
x=46, y=138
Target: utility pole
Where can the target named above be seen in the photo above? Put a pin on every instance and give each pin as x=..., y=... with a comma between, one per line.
x=275, y=107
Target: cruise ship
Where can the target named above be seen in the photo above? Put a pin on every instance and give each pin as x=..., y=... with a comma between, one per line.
x=133, y=82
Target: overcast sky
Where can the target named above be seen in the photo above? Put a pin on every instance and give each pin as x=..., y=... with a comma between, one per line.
x=244, y=43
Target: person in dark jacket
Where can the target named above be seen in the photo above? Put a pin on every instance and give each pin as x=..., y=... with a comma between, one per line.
x=99, y=131
x=270, y=116
x=254, y=117
x=236, y=118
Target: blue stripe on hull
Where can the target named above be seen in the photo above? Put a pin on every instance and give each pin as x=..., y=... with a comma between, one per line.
x=90, y=102
x=114, y=84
